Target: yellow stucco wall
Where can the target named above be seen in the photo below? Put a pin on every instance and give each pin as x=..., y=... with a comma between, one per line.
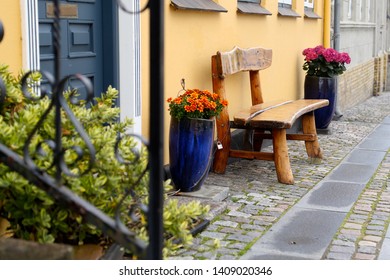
x=11, y=46
x=192, y=37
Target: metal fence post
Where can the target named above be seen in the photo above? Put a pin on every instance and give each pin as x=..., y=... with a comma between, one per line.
x=156, y=126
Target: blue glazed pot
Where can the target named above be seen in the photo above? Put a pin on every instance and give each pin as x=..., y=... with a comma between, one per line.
x=322, y=88
x=190, y=152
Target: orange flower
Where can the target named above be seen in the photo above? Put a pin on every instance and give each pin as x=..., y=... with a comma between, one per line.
x=195, y=103
x=178, y=100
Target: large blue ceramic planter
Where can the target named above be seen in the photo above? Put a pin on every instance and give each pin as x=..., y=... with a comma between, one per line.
x=322, y=88
x=190, y=151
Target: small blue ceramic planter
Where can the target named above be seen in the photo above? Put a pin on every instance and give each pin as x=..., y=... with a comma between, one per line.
x=322, y=88
x=190, y=152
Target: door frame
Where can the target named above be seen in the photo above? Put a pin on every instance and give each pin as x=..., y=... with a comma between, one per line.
x=122, y=54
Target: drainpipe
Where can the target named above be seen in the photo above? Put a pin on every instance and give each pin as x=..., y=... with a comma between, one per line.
x=336, y=46
x=327, y=18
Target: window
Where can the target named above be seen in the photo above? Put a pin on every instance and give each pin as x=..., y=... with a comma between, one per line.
x=309, y=10
x=251, y=7
x=202, y=5
x=285, y=9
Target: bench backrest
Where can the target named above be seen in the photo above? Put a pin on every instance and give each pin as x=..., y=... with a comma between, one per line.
x=239, y=60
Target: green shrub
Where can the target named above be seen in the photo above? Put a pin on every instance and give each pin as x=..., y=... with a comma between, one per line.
x=34, y=215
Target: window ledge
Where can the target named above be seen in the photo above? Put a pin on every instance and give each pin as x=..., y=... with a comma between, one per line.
x=252, y=8
x=200, y=5
x=287, y=12
x=311, y=14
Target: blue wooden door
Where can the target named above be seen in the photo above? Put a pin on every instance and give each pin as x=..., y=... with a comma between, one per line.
x=81, y=40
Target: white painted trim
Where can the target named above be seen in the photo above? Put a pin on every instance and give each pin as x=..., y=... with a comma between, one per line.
x=129, y=67
x=30, y=34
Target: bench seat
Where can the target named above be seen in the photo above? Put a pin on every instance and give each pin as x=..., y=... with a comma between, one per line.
x=277, y=114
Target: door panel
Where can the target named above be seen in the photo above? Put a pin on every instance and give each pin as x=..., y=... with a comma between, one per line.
x=81, y=40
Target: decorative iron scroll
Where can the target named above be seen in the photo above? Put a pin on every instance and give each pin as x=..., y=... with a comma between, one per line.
x=112, y=227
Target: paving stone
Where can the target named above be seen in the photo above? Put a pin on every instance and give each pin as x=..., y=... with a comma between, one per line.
x=367, y=243
x=253, y=227
x=375, y=227
x=379, y=144
x=374, y=232
x=363, y=256
x=226, y=223
x=343, y=243
x=354, y=232
x=356, y=173
x=336, y=196
x=240, y=237
x=372, y=238
x=342, y=249
x=212, y=234
x=362, y=156
x=338, y=256
x=237, y=246
x=367, y=250
x=353, y=226
x=301, y=233
x=239, y=214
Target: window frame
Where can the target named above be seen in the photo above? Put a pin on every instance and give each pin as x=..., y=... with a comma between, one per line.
x=251, y=7
x=198, y=5
x=309, y=10
x=285, y=9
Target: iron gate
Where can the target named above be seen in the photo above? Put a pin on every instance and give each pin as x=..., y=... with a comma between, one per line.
x=25, y=166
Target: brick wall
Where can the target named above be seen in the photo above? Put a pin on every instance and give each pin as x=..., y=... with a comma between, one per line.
x=362, y=81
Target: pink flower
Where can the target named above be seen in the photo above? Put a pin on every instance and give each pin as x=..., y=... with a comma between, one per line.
x=319, y=49
x=330, y=55
x=310, y=54
x=344, y=58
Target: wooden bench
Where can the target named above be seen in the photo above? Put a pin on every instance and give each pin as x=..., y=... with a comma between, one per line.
x=263, y=120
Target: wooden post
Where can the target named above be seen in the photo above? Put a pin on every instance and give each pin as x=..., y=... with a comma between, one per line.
x=257, y=97
x=282, y=161
x=222, y=121
x=309, y=127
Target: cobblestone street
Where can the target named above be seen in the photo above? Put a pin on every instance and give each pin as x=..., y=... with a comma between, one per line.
x=256, y=202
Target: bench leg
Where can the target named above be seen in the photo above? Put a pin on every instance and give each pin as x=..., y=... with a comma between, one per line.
x=281, y=158
x=222, y=155
x=309, y=127
x=258, y=140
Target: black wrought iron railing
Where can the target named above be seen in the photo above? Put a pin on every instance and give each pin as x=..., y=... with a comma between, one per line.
x=53, y=185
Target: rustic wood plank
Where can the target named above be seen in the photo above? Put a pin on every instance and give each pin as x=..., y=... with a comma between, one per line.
x=243, y=117
x=238, y=60
x=291, y=136
x=252, y=155
x=285, y=116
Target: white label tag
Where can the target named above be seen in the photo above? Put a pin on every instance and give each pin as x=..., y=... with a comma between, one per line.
x=219, y=145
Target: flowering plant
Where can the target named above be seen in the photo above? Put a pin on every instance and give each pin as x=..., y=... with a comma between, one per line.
x=324, y=62
x=195, y=103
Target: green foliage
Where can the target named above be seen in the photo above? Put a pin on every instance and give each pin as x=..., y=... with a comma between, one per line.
x=34, y=215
